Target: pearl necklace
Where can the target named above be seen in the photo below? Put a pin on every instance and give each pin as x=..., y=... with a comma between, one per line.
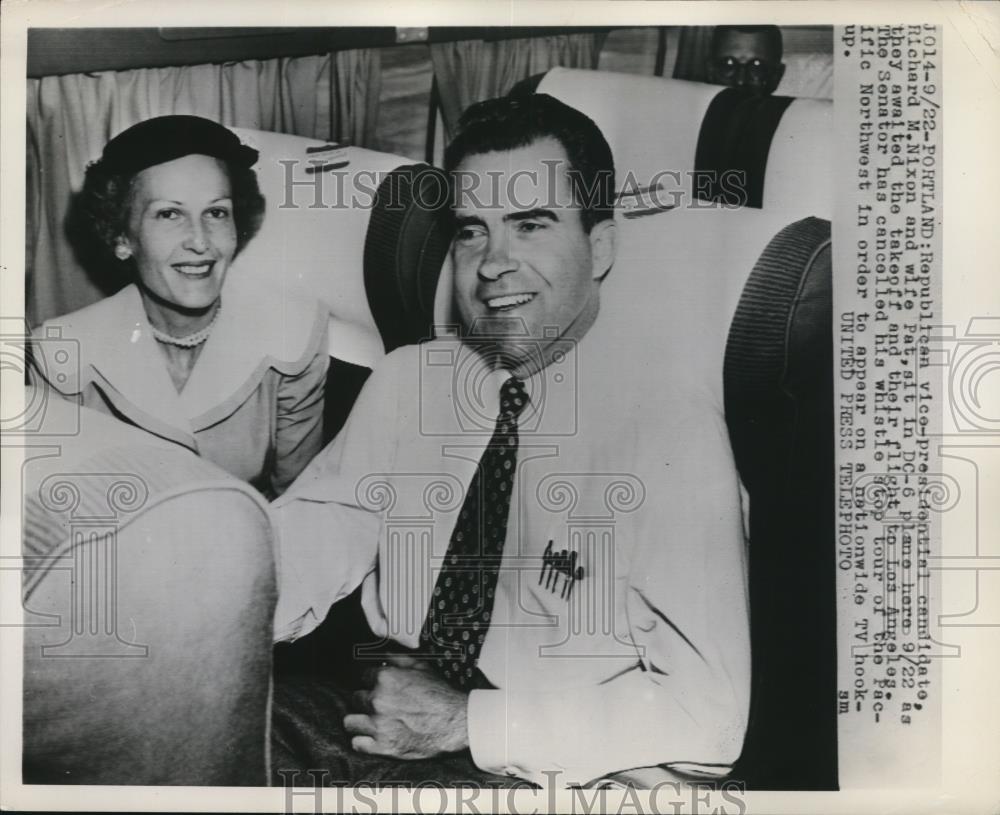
x=190, y=340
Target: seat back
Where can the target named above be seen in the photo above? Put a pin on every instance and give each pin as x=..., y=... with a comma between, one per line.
x=354, y=228
x=676, y=132
x=357, y=230
x=126, y=539
x=749, y=300
x=778, y=381
x=771, y=338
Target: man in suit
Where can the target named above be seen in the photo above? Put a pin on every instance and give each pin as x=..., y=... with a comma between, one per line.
x=542, y=506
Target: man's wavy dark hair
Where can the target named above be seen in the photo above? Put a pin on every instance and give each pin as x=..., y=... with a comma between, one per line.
x=99, y=214
x=511, y=122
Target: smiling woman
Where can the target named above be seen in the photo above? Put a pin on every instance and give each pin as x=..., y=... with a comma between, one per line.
x=181, y=235
x=181, y=231
x=170, y=204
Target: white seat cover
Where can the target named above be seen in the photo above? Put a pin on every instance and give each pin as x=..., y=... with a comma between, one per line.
x=313, y=236
x=650, y=123
x=799, y=177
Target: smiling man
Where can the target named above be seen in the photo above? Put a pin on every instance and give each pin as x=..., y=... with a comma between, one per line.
x=544, y=515
x=527, y=265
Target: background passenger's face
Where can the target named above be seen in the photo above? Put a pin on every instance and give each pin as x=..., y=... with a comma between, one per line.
x=181, y=231
x=524, y=267
x=746, y=59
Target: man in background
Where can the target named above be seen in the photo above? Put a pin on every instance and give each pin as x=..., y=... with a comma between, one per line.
x=747, y=57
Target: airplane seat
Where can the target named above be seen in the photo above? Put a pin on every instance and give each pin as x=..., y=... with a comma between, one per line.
x=778, y=374
x=762, y=317
x=689, y=137
x=149, y=592
x=356, y=229
x=750, y=300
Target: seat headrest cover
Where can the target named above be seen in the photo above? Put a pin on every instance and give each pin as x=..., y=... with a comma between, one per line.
x=657, y=126
x=650, y=123
x=320, y=202
x=736, y=135
x=404, y=250
x=807, y=75
x=313, y=235
x=800, y=163
x=699, y=260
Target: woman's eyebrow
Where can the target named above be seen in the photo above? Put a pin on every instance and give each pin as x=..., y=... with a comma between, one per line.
x=158, y=201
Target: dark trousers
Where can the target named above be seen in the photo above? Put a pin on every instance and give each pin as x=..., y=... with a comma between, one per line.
x=313, y=683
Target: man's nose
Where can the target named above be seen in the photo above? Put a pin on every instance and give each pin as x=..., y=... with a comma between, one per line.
x=197, y=240
x=498, y=260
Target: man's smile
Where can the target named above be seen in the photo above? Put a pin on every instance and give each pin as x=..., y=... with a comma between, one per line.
x=506, y=302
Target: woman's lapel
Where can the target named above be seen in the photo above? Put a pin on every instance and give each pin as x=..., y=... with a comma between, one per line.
x=122, y=351
x=255, y=330
x=233, y=359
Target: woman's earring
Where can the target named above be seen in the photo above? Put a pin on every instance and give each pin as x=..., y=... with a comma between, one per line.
x=122, y=252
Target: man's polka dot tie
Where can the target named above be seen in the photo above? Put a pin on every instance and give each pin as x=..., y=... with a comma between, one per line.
x=462, y=603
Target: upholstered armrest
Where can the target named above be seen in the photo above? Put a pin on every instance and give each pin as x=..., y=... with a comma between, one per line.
x=149, y=591
x=779, y=408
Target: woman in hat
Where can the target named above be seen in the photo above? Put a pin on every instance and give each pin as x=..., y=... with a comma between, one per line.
x=185, y=351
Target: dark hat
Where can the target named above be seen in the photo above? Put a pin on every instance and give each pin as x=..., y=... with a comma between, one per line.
x=165, y=138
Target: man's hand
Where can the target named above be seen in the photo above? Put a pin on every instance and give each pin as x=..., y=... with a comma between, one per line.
x=409, y=713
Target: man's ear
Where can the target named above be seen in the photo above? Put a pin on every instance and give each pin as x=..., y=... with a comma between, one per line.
x=603, y=245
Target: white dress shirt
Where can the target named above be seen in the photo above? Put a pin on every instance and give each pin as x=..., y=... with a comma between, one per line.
x=643, y=657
